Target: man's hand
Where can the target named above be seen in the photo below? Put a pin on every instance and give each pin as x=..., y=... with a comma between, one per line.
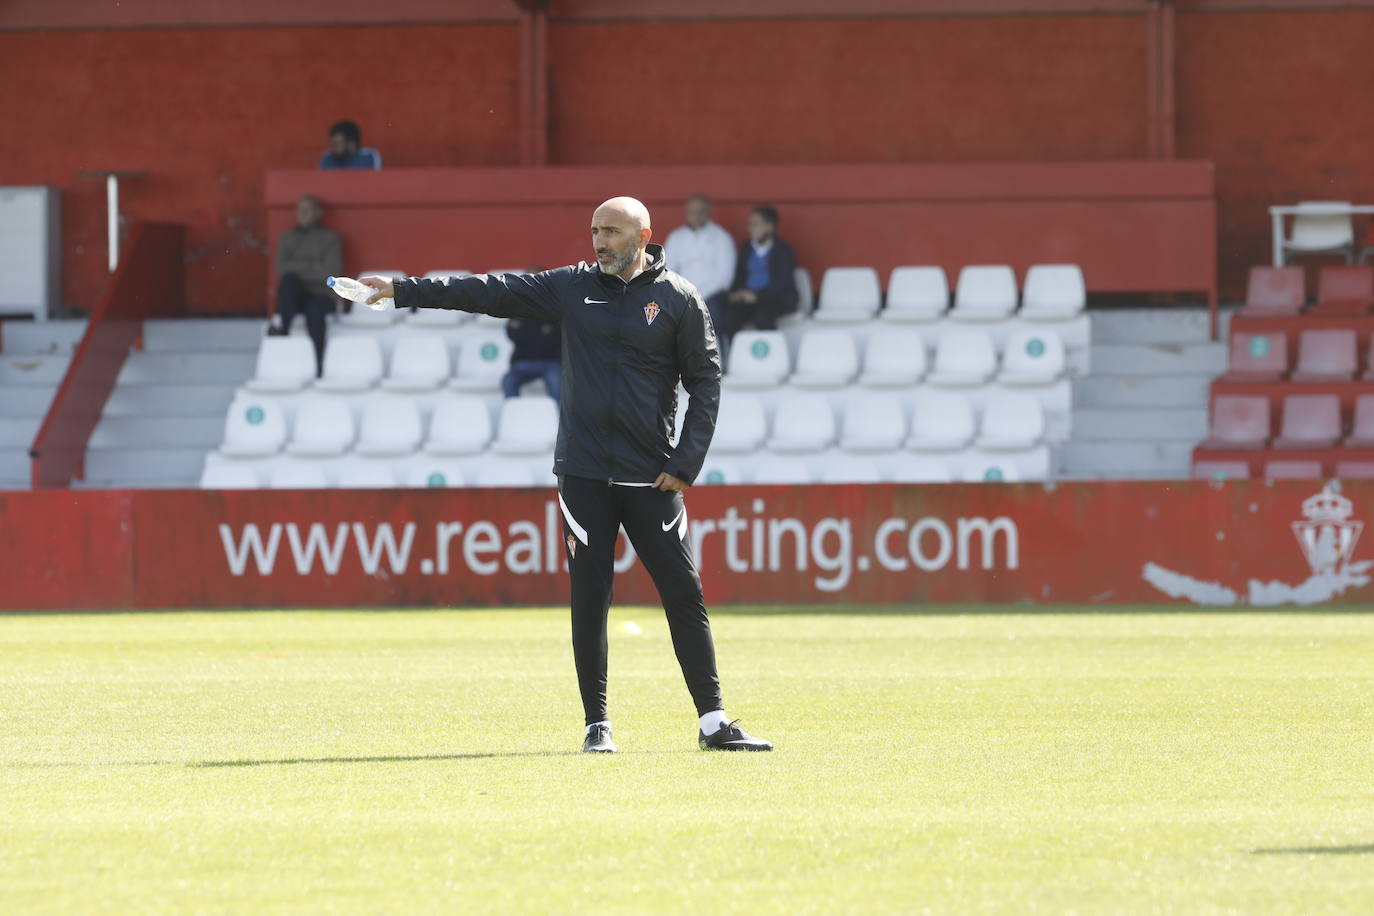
x=747, y=296
x=383, y=287
x=669, y=482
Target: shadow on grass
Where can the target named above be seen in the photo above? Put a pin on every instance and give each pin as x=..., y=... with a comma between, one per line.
x=405, y=758
x=1367, y=849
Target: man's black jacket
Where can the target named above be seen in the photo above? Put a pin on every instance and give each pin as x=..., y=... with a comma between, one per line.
x=624, y=348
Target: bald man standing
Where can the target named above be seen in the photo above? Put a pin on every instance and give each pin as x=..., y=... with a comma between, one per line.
x=631, y=330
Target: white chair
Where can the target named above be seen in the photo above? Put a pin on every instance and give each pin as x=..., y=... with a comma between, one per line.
x=782, y=471
x=253, y=428
x=802, y=423
x=461, y=425
x=964, y=358
x=893, y=358
x=715, y=472
x=741, y=425
x=503, y=474
x=844, y=469
x=825, y=360
x=229, y=477
x=1053, y=292
x=986, y=470
x=848, y=294
x=351, y=363
x=1322, y=227
x=1012, y=421
x=391, y=426
x=418, y=363
x=431, y=473
x=985, y=293
x=921, y=470
x=875, y=423
x=285, y=364
x=941, y=421
x=527, y=426
x=323, y=427
x=1032, y=358
x=483, y=357
x=806, y=299
x=758, y=359
x=916, y=294
x=297, y=476
x=364, y=475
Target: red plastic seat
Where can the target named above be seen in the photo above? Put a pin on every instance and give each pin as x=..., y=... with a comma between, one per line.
x=1345, y=290
x=1292, y=470
x=1310, y=421
x=1362, y=430
x=1239, y=421
x=1355, y=470
x=1205, y=469
x=1275, y=291
x=1257, y=357
x=1369, y=361
x=1326, y=356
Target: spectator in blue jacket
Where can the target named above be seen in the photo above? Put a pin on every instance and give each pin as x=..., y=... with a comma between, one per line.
x=346, y=150
x=538, y=354
x=765, y=285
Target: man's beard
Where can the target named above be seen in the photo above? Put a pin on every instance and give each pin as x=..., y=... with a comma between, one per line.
x=622, y=263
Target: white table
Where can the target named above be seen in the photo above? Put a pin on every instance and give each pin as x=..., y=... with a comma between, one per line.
x=1276, y=215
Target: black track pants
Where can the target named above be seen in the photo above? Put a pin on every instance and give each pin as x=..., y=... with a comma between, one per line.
x=656, y=523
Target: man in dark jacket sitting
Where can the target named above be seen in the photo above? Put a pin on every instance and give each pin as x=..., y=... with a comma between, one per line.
x=765, y=286
x=538, y=353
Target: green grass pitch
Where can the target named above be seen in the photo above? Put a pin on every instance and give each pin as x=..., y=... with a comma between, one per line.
x=1142, y=761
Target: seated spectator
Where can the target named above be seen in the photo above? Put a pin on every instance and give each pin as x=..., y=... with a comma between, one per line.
x=346, y=150
x=765, y=284
x=538, y=353
x=307, y=255
x=704, y=253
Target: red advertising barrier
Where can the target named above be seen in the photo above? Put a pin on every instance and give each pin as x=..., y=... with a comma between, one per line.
x=1245, y=542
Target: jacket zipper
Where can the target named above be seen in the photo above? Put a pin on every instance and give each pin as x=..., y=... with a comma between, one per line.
x=615, y=380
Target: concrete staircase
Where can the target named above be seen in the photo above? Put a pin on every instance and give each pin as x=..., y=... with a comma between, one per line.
x=1144, y=407
x=33, y=359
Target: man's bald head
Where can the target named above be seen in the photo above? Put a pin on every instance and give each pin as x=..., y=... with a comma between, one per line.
x=626, y=208
x=620, y=230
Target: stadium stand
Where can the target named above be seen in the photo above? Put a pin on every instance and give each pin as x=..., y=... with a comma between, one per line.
x=33, y=358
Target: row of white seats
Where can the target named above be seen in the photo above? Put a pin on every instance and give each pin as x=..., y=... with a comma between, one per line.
x=355, y=363
x=984, y=293
x=287, y=473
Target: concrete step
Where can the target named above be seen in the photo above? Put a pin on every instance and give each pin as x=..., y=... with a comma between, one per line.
x=138, y=467
x=172, y=432
x=26, y=400
x=1159, y=359
x=1125, y=460
x=170, y=400
x=14, y=468
x=1141, y=391
x=146, y=368
x=21, y=337
x=1185, y=424
x=33, y=368
x=1188, y=324
x=179, y=335
x=18, y=432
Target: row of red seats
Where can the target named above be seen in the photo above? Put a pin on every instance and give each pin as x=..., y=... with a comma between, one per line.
x=1285, y=469
x=1274, y=291
x=1308, y=421
x=1323, y=356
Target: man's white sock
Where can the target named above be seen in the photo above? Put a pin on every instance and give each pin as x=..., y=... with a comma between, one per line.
x=713, y=722
x=605, y=722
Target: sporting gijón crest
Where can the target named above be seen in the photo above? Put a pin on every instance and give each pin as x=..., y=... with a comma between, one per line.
x=650, y=312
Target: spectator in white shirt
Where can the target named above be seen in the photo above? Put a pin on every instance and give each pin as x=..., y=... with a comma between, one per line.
x=704, y=253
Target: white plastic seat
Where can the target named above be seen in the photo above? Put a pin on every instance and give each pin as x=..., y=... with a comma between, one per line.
x=802, y=423
x=876, y=423
x=1032, y=357
x=916, y=294
x=941, y=421
x=826, y=359
x=285, y=364
x=982, y=469
x=1322, y=227
x=224, y=476
x=364, y=475
x=964, y=358
x=253, y=428
x=483, y=357
x=921, y=470
x=893, y=358
x=461, y=425
x=806, y=297
x=1053, y=292
x=418, y=363
x=848, y=294
x=391, y=426
x=985, y=293
x=1012, y=421
x=351, y=363
x=432, y=473
x=758, y=359
x=845, y=469
x=503, y=474
x=782, y=470
x=323, y=427
x=741, y=425
x=527, y=426
x=297, y=476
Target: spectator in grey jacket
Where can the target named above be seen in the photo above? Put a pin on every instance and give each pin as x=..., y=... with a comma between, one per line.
x=307, y=255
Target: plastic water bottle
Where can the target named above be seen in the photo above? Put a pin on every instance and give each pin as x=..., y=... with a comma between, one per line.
x=349, y=288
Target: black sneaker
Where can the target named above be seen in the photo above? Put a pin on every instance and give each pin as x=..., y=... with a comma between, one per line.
x=732, y=738
x=598, y=741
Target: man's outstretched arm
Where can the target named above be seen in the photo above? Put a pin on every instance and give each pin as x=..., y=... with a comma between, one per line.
x=502, y=295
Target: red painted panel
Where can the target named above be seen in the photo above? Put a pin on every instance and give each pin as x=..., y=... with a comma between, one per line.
x=65, y=550
x=102, y=14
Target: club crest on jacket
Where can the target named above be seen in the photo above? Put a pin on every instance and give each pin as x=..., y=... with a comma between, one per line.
x=651, y=312
x=572, y=547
